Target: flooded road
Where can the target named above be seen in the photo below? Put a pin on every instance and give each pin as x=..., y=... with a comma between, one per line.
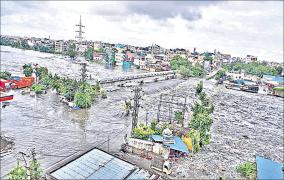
x=49, y=126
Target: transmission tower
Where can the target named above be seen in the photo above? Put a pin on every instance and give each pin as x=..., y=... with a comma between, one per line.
x=137, y=96
x=80, y=31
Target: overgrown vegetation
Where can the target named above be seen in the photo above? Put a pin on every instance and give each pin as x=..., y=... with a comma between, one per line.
x=142, y=132
x=247, y=170
x=38, y=88
x=27, y=70
x=179, y=116
x=30, y=170
x=71, y=51
x=89, y=54
x=185, y=68
x=254, y=68
x=23, y=44
x=278, y=88
x=5, y=75
x=220, y=74
x=82, y=93
x=201, y=119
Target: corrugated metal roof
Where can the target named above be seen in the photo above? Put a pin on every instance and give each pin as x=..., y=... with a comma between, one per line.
x=97, y=164
x=157, y=138
x=268, y=169
x=179, y=145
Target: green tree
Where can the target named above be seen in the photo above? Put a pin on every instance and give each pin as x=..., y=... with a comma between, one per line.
x=279, y=70
x=195, y=138
x=28, y=70
x=72, y=51
x=18, y=173
x=5, y=75
x=208, y=58
x=83, y=100
x=89, y=53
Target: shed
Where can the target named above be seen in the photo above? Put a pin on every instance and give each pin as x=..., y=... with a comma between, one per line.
x=268, y=169
x=96, y=164
x=178, y=144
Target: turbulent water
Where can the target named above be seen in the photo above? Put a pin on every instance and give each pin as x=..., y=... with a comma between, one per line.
x=49, y=126
x=245, y=124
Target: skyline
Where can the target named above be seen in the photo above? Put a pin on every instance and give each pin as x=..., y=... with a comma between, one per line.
x=204, y=25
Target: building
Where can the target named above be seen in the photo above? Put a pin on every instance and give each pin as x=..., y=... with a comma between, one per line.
x=119, y=58
x=250, y=58
x=58, y=46
x=96, y=164
x=98, y=56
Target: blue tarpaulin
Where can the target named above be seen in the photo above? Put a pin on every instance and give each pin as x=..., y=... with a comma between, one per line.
x=179, y=145
x=268, y=169
x=279, y=79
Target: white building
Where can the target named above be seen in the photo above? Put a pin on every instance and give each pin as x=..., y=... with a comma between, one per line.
x=119, y=58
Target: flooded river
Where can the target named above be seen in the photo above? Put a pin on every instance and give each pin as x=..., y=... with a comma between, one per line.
x=49, y=126
x=244, y=124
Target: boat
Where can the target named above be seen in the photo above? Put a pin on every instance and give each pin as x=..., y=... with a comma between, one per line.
x=6, y=97
x=250, y=88
x=17, y=82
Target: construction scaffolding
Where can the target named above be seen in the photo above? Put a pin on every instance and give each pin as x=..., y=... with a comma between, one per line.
x=168, y=106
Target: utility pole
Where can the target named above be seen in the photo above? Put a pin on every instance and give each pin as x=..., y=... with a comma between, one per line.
x=83, y=72
x=136, y=105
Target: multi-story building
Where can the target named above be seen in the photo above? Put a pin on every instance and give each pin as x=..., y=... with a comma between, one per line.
x=58, y=46
x=119, y=58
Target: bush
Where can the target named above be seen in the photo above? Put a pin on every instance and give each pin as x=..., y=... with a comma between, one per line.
x=195, y=138
x=179, y=116
x=38, y=88
x=199, y=87
x=220, y=74
x=247, y=170
x=83, y=100
x=142, y=132
x=185, y=68
x=5, y=75
x=28, y=70
x=19, y=172
x=278, y=88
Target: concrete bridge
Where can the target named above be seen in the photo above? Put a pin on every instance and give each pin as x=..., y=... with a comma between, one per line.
x=136, y=76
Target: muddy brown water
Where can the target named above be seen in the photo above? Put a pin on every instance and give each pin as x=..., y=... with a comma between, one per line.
x=244, y=124
x=53, y=129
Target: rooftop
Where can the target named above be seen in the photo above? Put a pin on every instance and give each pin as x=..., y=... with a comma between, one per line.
x=268, y=169
x=97, y=164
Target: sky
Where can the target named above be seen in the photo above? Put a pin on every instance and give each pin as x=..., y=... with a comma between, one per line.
x=232, y=27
